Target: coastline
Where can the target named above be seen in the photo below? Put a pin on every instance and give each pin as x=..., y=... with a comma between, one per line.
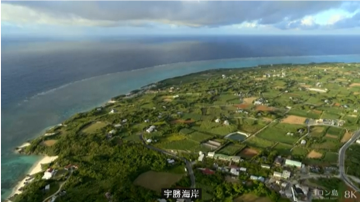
x=36, y=168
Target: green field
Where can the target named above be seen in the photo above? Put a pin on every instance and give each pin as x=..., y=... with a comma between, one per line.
x=198, y=136
x=92, y=128
x=303, y=113
x=336, y=131
x=318, y=131
x=179, y=145
x=162, y=180
x=231, y=149
x=331, y=157
x=328, y=115
x=283, y=149
x=259, y=142
x=327, y=145
x=279, y=132
x=250, y=126
x=300, y=151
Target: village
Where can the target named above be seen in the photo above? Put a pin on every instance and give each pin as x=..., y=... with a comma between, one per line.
x=277, y=125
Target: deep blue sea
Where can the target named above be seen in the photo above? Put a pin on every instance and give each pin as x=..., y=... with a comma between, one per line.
x=45, y=81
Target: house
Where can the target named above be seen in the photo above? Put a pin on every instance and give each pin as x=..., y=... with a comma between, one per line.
x=265, y=166
x=284, y=184
x=175, y=96
x=48, y=174
x=223, y=76
x=149, y=140
x=112, y=111
x=226, y=122
x=117, y=125
x=277, y=174
x=252, y=177
x=258, y=102
x=150, y=129
x=286, y=174
x=242, y=169
x=170, y=161
x=303, y=142
x=289, y=162
x=112, y=132
x=124, y=121
x=47, y=187
x=211, y=154
x=355, y=110
x=234, y=171
x=201, y=156
x=217, y=120
x=358, y=141
x=146, y=120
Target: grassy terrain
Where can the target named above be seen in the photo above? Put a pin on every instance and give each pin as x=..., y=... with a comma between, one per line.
x=162, y=180
x=259, y=142
x=231, y=149
x=92, y=128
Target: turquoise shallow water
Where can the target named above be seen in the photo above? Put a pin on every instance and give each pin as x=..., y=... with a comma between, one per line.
x=28, y=119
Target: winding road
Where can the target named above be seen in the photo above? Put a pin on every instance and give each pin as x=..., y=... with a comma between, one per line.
x=341, y=159
x=62, y=184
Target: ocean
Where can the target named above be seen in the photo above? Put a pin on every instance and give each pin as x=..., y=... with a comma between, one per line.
x=46, y=81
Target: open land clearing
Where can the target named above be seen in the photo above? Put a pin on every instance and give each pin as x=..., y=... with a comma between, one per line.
x=94, y=127
x=49, y=142
x=249, y=100
x=251, y=198
x=314, y=155
x=294, y=120
x=331, y=136
x=162, y=180
x=346, y=136
x=354, y=84
x=264, y=108
x=248, y=152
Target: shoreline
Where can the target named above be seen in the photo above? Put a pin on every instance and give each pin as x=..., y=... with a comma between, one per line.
x=36, y=168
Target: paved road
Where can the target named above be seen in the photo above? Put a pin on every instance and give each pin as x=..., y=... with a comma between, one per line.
x=342, y=153
x=58, y=191
x=187, y=163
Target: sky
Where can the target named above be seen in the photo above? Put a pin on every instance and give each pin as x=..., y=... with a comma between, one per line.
x=99, y=18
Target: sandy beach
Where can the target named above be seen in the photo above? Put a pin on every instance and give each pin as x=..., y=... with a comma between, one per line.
x=35, y=169
x=21, y=147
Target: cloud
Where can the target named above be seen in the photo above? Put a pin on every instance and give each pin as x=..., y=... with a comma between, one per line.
x=192, y=14
x=349, y=22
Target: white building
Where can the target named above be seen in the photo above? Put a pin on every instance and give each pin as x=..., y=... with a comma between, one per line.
x=358, y=141
x=277, y=174
x=223, y=76
x=226, y=122
x=48, y=174
x=265, y=166
x=217, y=121
x=151, y=129
x=170, y=161
x=242, y=169
x=112, y=132
x=234, y=171
x=201, y=156
x=289, y=162
x=149, y=140
x=303, y=142
x=117, y=125
x=112, y=111
x=211, y=154
x=286, y=174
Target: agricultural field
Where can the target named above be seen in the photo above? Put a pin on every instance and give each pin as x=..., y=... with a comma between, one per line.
x=198, y=136
x=335, y=133
x=300, y=152
x=331, y=157
x=258, y=142
x=318, y=131
x=251, y=198
x=248, y=152
x=162, y=180
x=304, y=113
x=250, y=126
x=231, y=149
x=327, y=144
x=279, y=133
x=283, y=149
